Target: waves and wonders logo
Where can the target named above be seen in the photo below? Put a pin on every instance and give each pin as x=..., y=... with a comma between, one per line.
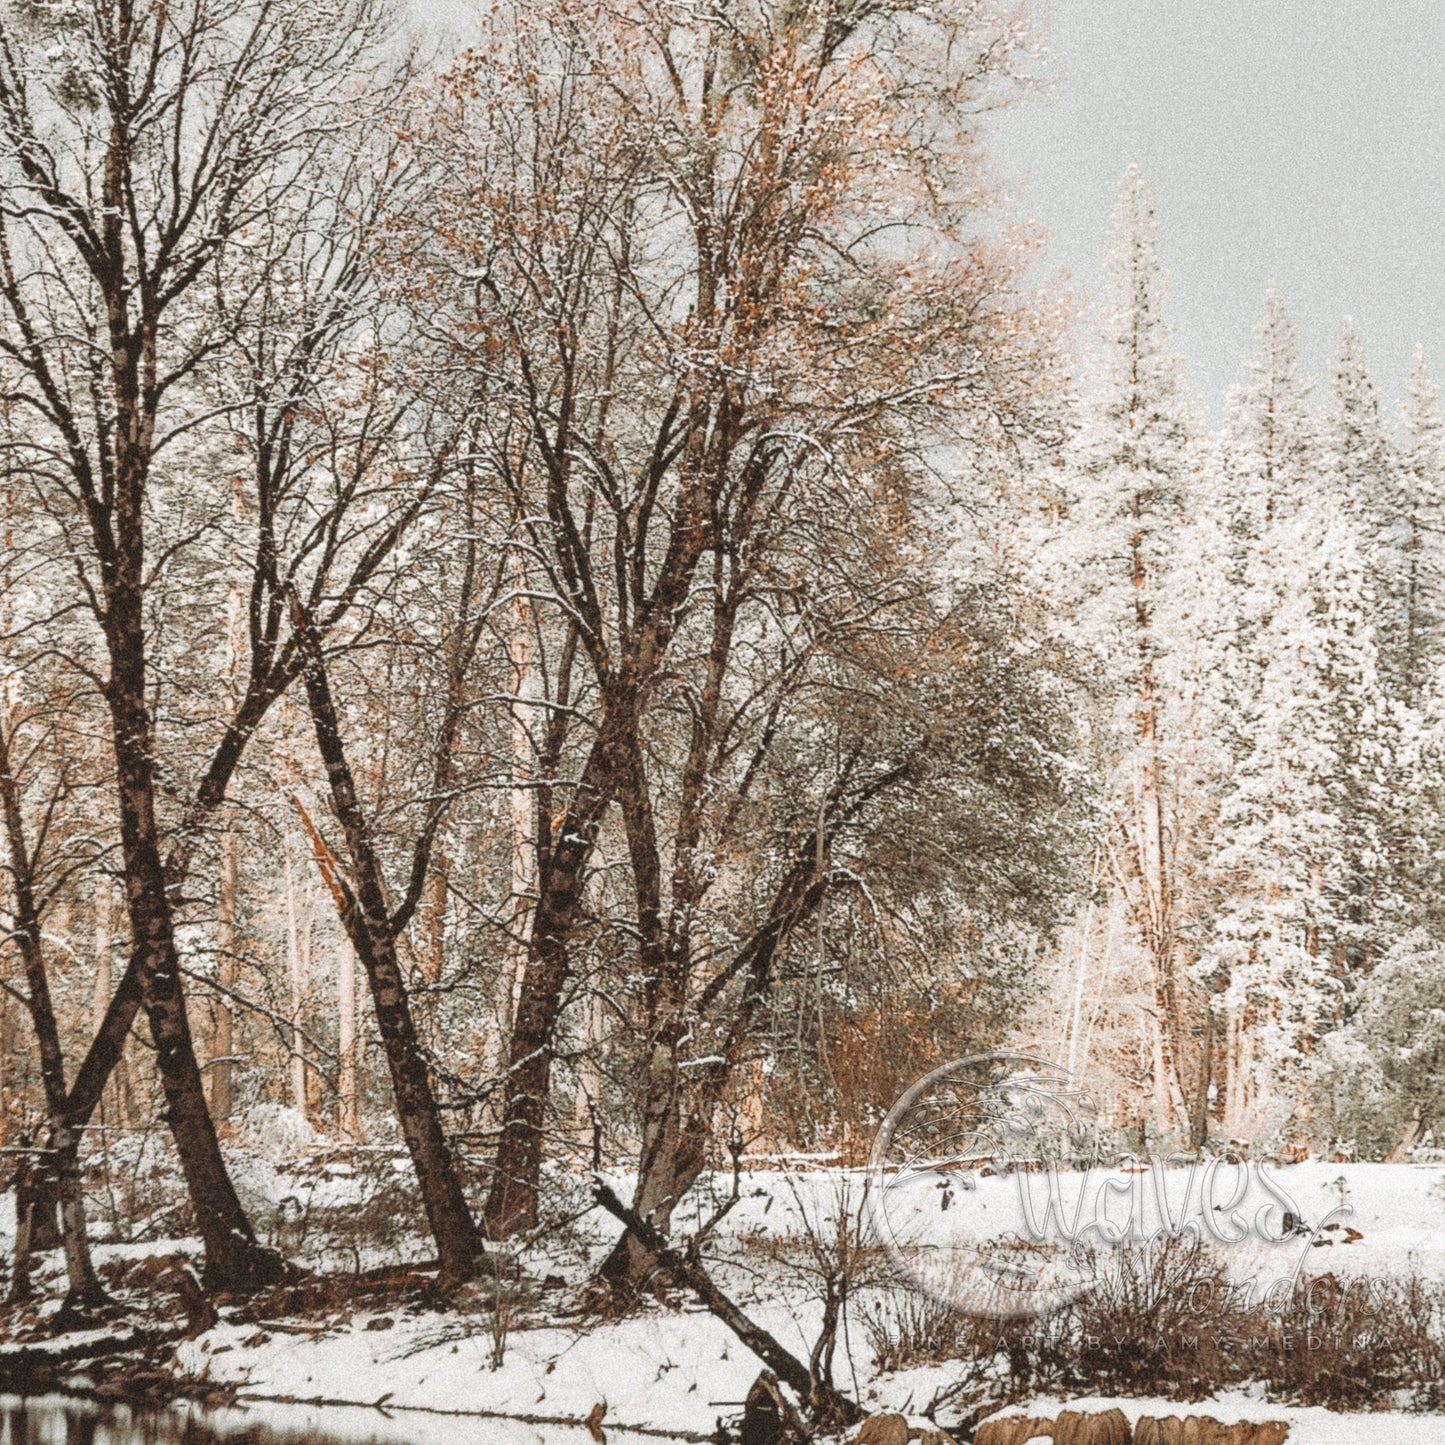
x=990, y=1190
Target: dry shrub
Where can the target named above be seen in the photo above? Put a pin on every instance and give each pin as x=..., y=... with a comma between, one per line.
x=1165, y=1322
x=1353, y=1348
x=1141, y=1321
x=874, y=1052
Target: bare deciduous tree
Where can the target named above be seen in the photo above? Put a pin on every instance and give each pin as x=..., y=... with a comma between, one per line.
x=706, y=369
x=146, y=149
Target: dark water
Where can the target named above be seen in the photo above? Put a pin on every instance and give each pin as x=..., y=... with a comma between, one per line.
x=61, y=1420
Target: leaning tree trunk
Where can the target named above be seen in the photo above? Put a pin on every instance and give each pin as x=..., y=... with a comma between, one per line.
x=368, y=925
x=234, y=1257
x=829, y=1408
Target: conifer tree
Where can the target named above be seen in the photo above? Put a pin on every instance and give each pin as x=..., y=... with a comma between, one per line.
x=1261, y=700
x=1360, y=474
x=1134, y=457
x=1305, y=882
x=1422, y=481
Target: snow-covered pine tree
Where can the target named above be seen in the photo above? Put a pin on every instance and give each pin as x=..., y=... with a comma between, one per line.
x=1422, y=483
x=1360, y=472
x=1269, y=437
x=1265, y=472
x=1132, y=462
x=1309, y=822
x=1419, y=851
x=1304, y=882
x=1369, y=628
x=1262, y=710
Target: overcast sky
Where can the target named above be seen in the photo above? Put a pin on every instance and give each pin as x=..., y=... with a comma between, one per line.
x=1296, y=139
x=1299, y=140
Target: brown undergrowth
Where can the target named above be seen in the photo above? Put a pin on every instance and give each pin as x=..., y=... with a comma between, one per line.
x=1171, y=1324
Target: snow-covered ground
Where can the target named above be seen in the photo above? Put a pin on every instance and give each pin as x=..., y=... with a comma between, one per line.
x=679, y=1369
x=660, y=1372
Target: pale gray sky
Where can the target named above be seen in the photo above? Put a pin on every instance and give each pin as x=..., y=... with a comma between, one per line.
x=1302, y=140
x=1299, y=140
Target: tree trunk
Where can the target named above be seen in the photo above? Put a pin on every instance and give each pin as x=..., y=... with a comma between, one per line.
x=677, y=1123
x=62, y=1159
x=589, y=1073
x=223, y=1042
x=1199, y=1134
x=1071, y=1047
x=512, y=1201
x=296, y=970
x=666, y=953
x=433, y=956
x=8, y=1053
x=367, y=921
x=104, y=983
x=521, y=651
x=22, y=1183
x=659, y=1186
x=234, y=1257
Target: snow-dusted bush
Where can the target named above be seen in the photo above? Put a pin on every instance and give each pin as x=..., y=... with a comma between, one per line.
x=134, y=1188
x=1381, y=1079
x=276, y=1132
x=1358, y=1111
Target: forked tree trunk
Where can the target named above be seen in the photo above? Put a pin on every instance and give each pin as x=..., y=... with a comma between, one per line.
x=512, y=1201
x=678, y=1117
